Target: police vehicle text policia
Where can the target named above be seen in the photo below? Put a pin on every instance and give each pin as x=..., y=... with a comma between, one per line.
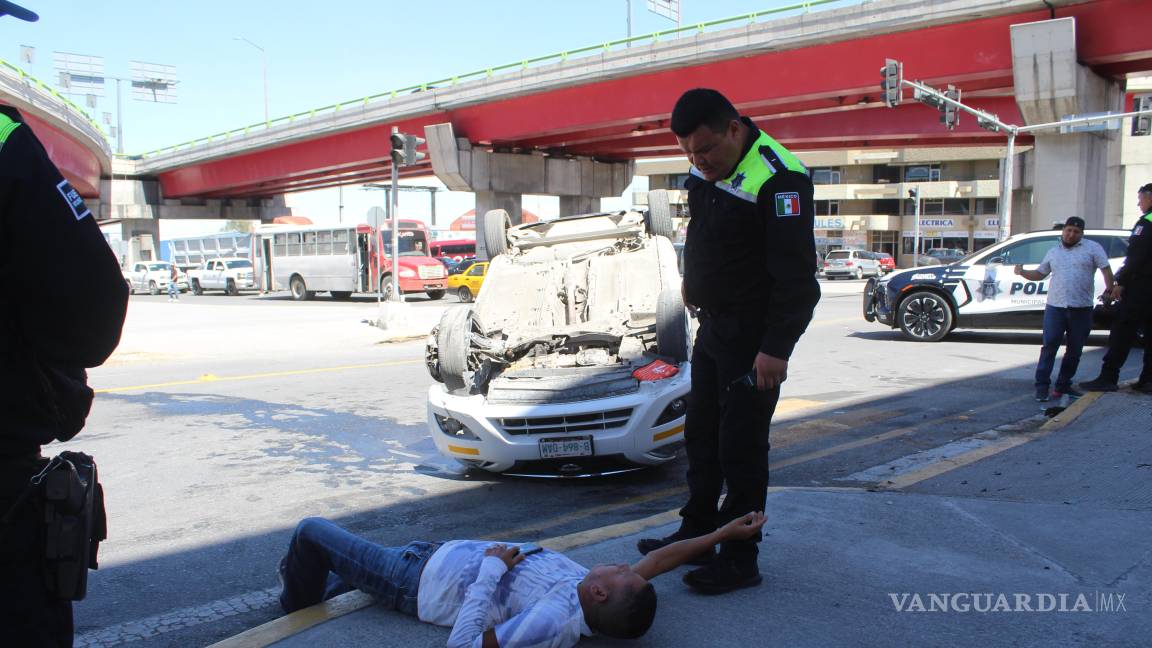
x=980, y=291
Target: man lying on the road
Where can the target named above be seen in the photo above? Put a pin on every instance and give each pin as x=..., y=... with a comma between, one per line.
x=490, y=594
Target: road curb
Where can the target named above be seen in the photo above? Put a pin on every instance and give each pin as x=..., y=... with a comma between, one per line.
x=1072, y=412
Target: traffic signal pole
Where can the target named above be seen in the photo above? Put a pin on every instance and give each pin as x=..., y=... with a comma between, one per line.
x=394, y=195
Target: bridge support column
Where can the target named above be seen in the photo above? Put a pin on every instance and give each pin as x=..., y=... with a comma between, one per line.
x=1075, y=174
x=499, y=179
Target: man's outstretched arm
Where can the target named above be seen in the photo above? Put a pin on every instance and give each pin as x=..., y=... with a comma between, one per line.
x=672, y=556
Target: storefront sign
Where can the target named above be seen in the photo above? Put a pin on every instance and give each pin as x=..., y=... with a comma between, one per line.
x=937, y=223
x=991, y=222
x=834, y=222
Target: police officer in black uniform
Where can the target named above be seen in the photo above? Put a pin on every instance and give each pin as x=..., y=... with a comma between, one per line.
x=1133, y=291
x=62, y=308
x=749, y=262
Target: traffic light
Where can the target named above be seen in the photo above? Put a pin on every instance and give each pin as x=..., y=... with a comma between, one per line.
x=891, y=73
x=1142, y=124
x=404, y=151
x=951, y=116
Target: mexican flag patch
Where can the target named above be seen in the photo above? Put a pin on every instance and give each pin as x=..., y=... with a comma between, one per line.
x=788, y=204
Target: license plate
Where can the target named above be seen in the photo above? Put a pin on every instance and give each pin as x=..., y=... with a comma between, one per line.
x=580, y=446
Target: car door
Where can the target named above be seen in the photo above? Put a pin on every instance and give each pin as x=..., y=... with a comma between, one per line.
x=140, y=276
x=474, y=277
x=994, y=296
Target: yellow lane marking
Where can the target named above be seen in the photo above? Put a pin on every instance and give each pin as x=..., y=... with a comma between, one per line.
x=878, y=438
x=519, y=532
x=789, y=405
x=207, y=378
x=667, y=433
x=464, y=451
x=949, y=464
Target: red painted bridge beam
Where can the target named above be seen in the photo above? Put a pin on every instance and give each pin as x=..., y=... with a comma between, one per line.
x=79, y=164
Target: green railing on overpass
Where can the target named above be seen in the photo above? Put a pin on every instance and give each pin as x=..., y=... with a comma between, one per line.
x=28, y=78
x=559, y=57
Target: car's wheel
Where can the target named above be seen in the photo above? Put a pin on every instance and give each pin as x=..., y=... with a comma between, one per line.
x=230, y=288
x=925, y=316
x=436, y=294
x=870, y=300
x=131, y=291
x=464, y=294
x=196, y=288
x=496, y=224
x=341, y=294
x=658, y=220
x=299, y=289
x=859, y=274
x=153, y=289
x=453, y=342
x=671, y=326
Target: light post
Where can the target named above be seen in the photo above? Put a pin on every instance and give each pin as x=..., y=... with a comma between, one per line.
x=264, y=66
x=914, y=194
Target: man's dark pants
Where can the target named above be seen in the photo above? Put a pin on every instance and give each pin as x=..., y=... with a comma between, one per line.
x=1058, y=321
x=1132, y=313
x=726, y=430
x=29, y=615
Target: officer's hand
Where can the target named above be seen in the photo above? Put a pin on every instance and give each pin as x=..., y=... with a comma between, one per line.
x=1019, y=269
x=770, y=371
x=684, y=298
x=744, y=527
x=1117, y=292
x=510, y=555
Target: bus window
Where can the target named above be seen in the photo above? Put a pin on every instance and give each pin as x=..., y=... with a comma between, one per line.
x=280, y=245
x=309, y=248
x=340, y=242
x=293, y=243
x=324, y=243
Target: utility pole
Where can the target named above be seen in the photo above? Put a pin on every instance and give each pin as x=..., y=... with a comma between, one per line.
x=264, y=66
x=914, y=194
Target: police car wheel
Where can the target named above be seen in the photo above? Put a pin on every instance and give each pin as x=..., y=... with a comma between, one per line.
x=870, y=301
x=925, y=316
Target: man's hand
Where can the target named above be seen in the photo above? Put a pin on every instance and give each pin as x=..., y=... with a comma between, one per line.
x=770, y=371
x=509, y=555
x=1117, y=292
x=1018, y=269
x=743, y=527
x=684, y=298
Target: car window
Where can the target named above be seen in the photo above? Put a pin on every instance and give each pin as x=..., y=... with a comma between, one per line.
x=243, y=263
x=1026, y=252
x=1114, y=246
x=838, y=254
x=476, y=270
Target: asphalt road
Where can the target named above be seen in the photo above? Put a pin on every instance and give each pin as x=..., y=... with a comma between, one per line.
x=221, y=421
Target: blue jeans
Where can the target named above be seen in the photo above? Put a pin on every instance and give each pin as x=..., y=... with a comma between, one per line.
x=324, y=561
x=1077, y=324
x=173, y=291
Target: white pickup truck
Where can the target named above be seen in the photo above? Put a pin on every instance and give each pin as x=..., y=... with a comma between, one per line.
x=152, y=276
x=228, y=274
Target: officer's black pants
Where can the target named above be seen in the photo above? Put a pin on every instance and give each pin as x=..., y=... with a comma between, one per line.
x=1132, y=313
x=726, y=431
x=28, y=615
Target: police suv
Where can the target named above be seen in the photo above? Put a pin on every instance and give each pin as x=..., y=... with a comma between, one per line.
x=980, y=291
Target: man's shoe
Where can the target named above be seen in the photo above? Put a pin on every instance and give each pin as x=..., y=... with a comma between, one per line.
x=1070, y=392
x=1099, y=384
x=723, y=575
x=646, y=545
x=1143, y=387
x=1042, y=395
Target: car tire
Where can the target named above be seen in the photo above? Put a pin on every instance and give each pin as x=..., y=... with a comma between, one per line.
x=672, y=326
x=131, y=291
x=658, y=219
x=436, y=294
x=299, y=289
x=925, y=316
x=341, y=295
x=153, y=289
x=464, y=295
x=859, y=274
x=196, y=289
x=496, y=225
x=230, y=288
x=452, y=342
x=870, y=300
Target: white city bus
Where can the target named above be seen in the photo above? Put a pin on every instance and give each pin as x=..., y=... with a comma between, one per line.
x=342, y=260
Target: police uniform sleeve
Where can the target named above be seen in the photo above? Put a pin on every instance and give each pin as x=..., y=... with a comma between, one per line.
x=66, y=294
x=786, y=206
x=1138, y=264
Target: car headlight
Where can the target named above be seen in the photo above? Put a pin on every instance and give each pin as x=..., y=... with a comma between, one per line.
x=407, y=273
x=674, y=410
x=454, y=428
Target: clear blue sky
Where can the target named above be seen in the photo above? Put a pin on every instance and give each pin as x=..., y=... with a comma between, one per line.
x=318, y=53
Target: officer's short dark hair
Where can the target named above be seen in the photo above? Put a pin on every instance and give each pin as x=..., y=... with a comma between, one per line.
x=626, y=614
x=1146, y=189
x=702, y=107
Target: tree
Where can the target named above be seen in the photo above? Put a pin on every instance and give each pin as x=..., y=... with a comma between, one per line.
x=245, y=226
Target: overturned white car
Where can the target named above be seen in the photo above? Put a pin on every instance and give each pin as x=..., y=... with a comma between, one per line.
x=574, y=358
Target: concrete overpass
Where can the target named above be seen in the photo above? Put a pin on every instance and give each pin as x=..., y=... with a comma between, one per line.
x=570, y=125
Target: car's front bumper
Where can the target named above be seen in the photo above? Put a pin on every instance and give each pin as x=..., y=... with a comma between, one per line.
x=618, y=446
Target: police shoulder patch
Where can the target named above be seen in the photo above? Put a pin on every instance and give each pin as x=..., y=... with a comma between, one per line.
x=1139, y=230
x=75, y=202
x=787, y=204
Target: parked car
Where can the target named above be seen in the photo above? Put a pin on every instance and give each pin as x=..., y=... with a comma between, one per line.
x=540, y=375
x=153, y=277
x=456, y=267
x=887, y=263
x=981, y=291
x=466, y=285
x=228, y=274
x=856, y=264
x=941, y=256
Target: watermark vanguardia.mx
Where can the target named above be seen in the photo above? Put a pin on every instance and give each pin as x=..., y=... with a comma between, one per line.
x=1008, y=602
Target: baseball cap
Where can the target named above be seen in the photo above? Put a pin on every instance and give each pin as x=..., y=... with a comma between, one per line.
x=1074, y=221
x=16, y=11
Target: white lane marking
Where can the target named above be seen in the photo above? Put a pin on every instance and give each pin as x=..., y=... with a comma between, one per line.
x=181, y=619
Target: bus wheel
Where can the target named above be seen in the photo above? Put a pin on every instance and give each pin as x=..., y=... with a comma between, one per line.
x=299, y=290
x=436, y=294
x=386, y=287
x=464, y=294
